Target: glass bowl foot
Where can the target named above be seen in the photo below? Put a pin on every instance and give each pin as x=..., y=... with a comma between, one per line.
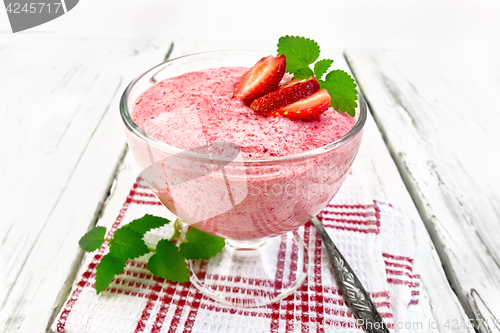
x=253, y=273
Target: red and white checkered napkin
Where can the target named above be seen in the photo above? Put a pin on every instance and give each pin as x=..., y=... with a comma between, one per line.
x=377, y=240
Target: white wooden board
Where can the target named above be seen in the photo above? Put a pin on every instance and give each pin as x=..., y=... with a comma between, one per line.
x=442, y=130
x=438, y=304
x=61, y=142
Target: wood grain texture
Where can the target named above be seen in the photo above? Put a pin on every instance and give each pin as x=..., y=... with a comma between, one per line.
x=438, y=303
x=124, y=178
x=62, y=141
x=442, y=130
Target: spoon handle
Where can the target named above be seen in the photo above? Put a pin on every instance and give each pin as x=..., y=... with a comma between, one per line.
x=353, y=291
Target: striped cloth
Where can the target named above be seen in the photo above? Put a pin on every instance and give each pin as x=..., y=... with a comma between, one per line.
x=378, y=241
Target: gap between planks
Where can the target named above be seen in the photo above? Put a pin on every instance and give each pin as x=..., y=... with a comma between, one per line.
x=63, y=295
x=473, y=303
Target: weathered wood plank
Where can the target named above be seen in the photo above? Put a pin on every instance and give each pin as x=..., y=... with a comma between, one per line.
x=125, y=177
x=61, y=144
x=438, y=303
x=441, y=129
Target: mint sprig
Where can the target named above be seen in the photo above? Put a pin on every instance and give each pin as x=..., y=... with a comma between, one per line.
x=302, y=52
x=169, y=257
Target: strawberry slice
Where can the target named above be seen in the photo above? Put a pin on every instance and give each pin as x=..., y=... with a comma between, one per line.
x=308, y=108
x=261, y=79
x=286, y=94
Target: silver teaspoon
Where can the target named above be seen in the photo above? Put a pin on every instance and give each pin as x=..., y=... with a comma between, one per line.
x=353, y=291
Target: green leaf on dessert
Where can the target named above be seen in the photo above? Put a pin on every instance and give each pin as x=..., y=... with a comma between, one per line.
x=321, y=67
x=303, y=73
x=201, y=245
x=127, y=244
x=108, y=267
x=300, y=52
x=342, y=90
x=147, y=223
x=168, y=262
x=93, y=239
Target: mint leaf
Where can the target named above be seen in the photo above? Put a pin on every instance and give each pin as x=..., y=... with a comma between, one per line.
x=300, y=52
x=303, y=73
x=342, y=90
x=147, y=223
x=127, y=244
x=168, y=262
x=93, y=239
x=201, y=245
x=321, y=67
x=108, y=267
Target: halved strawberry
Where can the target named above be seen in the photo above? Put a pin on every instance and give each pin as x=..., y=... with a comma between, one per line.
x=286, y=94
x=308, y=108
x=262, y=78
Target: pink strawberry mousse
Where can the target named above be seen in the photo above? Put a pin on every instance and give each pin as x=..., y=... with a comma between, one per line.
x=241, y=201
x=198, y=107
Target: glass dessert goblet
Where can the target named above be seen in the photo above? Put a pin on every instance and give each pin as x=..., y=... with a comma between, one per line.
x=257, y=205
